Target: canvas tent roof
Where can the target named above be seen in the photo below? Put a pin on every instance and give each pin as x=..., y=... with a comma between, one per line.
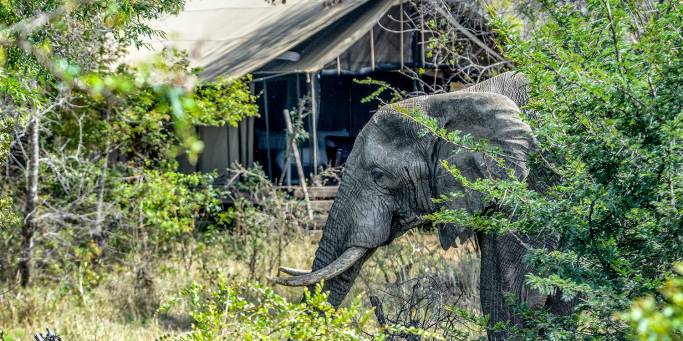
x=348, y=39
x=235, y=37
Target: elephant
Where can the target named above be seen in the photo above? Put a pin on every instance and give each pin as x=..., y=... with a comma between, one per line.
x=393, y=172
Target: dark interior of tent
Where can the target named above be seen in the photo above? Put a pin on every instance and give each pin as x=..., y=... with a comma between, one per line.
x=341, y=113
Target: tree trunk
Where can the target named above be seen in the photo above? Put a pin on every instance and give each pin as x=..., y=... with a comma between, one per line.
x=30, y=223
x=98, y=233
x=98, y=230
x=299, y=166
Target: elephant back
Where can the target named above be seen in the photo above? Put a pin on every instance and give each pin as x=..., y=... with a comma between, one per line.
x=513, y=85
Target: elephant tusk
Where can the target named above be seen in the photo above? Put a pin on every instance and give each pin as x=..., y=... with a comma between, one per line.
x=341, y=264
x=293, y=271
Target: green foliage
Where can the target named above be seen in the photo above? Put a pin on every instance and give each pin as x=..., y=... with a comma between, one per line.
x=223, y=102
x=76, y=48
x=41, y=40
x=606, y=180
x=653, y=319
x=297, y=116
x=172, y=204
x=7, y=215
x=382, y=88
x=153, y=212
x=109, y=136
x=604, y=88
x=8, y=222
x=149, y=120
x=254, y=312
x=251, y=311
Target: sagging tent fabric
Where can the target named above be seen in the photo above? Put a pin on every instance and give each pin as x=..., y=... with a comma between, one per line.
x=231, y=38
x=391, y=47
x=346, y=45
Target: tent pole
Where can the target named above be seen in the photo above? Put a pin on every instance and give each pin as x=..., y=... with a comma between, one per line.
x=401, y=30
x=243, y=143
x=314, y=126
x=250, y=130
x=372, y=48
x=250, y=141
x=265, y=109
x=288, y=162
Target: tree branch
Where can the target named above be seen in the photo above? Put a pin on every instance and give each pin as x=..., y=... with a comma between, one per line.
x=440, y=9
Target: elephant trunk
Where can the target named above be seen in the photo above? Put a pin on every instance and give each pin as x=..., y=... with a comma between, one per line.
x=338, y=259
x=334, y=243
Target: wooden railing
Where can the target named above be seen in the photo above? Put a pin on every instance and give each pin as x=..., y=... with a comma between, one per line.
x=321, y=199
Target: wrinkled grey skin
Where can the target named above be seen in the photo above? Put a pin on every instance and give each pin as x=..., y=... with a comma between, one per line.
x=393, y=172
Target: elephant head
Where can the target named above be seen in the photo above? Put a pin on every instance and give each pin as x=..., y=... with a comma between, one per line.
x=394, y=171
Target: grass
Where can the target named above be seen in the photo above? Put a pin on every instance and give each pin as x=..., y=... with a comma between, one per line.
x=121, y=306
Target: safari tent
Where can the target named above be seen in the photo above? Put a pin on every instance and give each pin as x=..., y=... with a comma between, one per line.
x=303, y=48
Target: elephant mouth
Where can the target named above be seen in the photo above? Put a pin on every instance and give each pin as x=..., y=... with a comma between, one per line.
x=305, y=278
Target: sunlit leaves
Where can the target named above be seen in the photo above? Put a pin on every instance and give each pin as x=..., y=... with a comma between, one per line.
x=659, y=319
x=382, y=87
x=222, y=101
x=255, y=312
x=171, y=203
x=553, y=284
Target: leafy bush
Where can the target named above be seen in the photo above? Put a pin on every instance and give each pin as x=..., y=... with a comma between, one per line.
x=606, y=108
x=253, y=312
x=94, y=126
x=172, y=205
x=605, y=84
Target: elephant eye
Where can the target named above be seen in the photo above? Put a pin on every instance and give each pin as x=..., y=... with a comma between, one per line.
x=376, y=174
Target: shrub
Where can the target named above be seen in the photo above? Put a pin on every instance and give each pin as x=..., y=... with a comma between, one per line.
x=607, y=113
x=169, y=205
x=250, y=311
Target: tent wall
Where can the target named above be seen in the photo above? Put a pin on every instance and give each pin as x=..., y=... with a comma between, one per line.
x=216, y=155
x=223, y=146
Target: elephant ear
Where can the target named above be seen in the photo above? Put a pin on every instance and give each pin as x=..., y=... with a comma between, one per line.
x=484, y=116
